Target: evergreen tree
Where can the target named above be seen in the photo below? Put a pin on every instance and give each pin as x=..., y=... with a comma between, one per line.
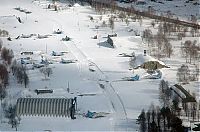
x=142, y=121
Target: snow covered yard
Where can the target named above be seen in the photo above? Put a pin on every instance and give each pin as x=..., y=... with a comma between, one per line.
x=92, y=70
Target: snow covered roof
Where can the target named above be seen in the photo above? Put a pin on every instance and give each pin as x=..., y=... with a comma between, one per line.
x=142, y=59
x=76, y=5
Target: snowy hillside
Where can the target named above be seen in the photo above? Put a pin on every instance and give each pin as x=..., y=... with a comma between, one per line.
x=183, y=9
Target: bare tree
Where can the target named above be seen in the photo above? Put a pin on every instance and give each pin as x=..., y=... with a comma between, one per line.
x=1, y=44
x=26, y=79
x=140, y=21
x=185, y=30
x=193, y=32
x=112, y=23
x=19, y=72
x=186, y=49
x=104, y=24
x=193, y=18
x=158, y=38
x=15, y=122
x=169, y=14
x=122, y=16
x=151, y=10
x=193, y=109
x=2, y=93
x=7, y=55
x=175, y=104
x=47, y=71
x=167, y=48
x=164, y=93
x=180, y=36
x=183, y=74
x=196, y=72
x=3, y=75
x=127, y=21
x=147, y=36
x=190, y=51
x=4, y=53
x=100, y=18
x=153, y=23
x=10, y=113
x=113, y=6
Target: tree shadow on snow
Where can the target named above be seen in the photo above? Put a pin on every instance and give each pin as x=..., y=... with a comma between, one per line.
x=126, y=125
x=105, y=44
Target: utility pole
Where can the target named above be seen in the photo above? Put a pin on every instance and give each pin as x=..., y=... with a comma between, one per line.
x=68, y=87
x=46, y=48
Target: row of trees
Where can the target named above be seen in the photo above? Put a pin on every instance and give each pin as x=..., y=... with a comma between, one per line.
x=185, y=74
x=124, y=17
x=166, y=117
x=167, y=27
x=6, y=56
x=19, y=71
x=190, y=51
x=159, y=44
x=159, y=119
x=111, y=6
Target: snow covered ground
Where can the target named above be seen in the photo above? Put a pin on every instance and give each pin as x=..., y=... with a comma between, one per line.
x=183, y=9
x=123, y=100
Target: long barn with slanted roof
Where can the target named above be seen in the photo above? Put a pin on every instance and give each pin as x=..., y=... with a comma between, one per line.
x=44, y=107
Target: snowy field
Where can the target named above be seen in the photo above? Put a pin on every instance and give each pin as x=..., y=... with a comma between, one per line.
x=183, y=9
x=122, y=100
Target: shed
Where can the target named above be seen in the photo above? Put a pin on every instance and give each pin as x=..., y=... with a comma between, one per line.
x=44, y=107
